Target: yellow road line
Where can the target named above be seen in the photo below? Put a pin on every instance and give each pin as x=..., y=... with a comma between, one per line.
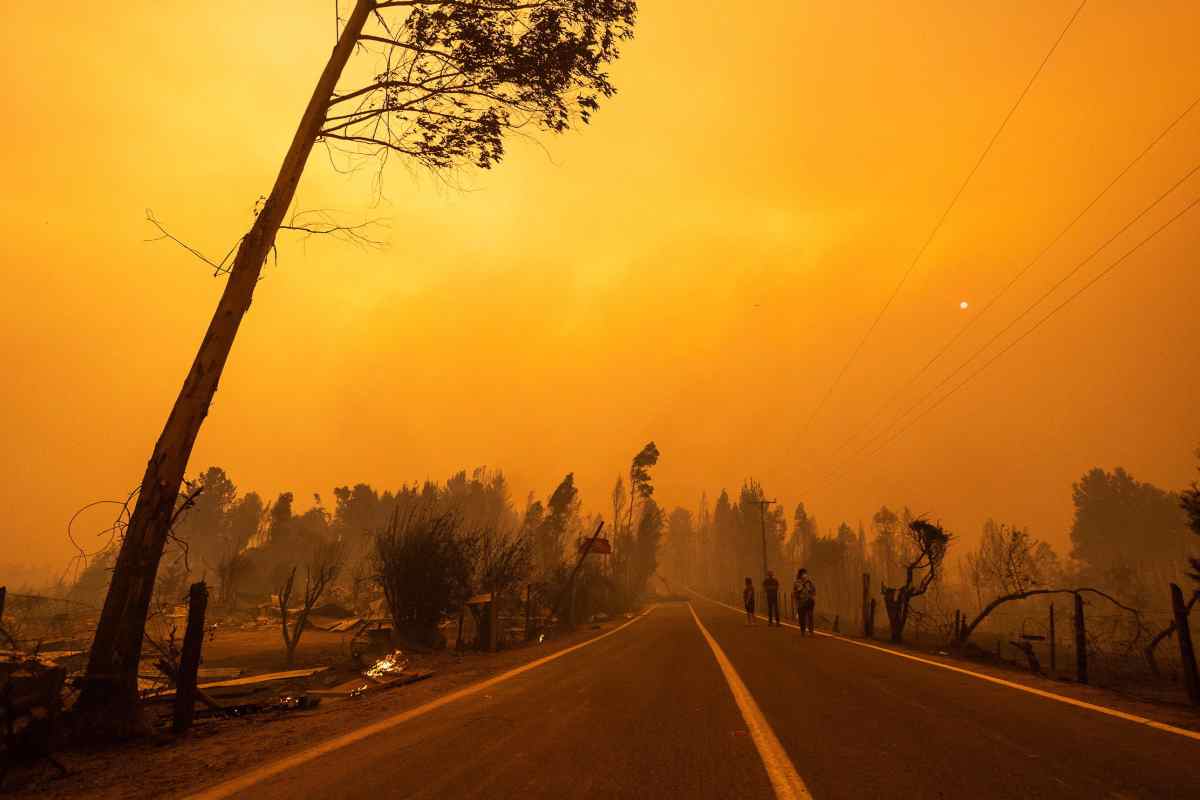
x=260, y=774
x=1059, y=698
x=784, y=779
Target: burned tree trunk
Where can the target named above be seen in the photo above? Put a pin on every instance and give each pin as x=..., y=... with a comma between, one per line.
x=1164, y=634
x=895, y=603
x=109, y=693
x=867, y=619
x=1081, y=665
x=290, y=639
x=189, y=659
x=1187, y=655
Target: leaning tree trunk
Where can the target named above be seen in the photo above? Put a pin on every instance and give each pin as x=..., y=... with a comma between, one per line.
x=110, y=686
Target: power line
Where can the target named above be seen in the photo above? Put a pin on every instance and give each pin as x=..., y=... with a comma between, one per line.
x=941, y=221
x=1045, y=295
x=1023, y=271
x=1094, y=280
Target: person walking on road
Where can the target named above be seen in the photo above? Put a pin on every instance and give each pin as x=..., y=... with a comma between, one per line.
x=748, y=601
x=805, y=593
x=771, y=590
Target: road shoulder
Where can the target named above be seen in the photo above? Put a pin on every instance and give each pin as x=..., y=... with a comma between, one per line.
x=1168, y=715
x=216, y=750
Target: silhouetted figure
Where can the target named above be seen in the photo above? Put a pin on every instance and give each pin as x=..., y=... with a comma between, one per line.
x=805, y=593
x=748, y=601
x=771, y=590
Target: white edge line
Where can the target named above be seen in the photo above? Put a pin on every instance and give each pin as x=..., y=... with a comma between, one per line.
x=1071, y=701
x=259, y=774
x=786, y=782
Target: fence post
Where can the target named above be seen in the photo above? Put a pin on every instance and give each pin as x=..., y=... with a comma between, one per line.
x=1081, y=669
x=866, y=604
x=871, y=627
x=528, y=612
x=1053, y=643
x=189, y=659
x=493, y=623
x=1186, y=653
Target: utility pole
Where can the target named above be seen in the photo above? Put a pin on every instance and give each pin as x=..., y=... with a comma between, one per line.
x=762, y=507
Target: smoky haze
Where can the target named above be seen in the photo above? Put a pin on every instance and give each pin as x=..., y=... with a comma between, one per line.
x=695, y=270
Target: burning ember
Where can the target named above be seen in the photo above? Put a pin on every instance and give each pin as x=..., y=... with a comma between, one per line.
x=390, y=665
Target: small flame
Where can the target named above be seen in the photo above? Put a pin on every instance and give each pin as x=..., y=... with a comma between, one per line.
x=390, y=664
x=541, y=638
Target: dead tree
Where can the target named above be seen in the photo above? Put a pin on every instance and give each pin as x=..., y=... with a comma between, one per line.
x=455, y=76
x=321, y=571
x=967, y=630
x=920, y=572
x=1187, y=655
x=189, y=658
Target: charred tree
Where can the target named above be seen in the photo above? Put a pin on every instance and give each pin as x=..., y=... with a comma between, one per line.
x=967, y=630
x=189, y=659
x=110, y=684
x=930, y=542
x=318, y=575
x=1081, y=662
x=456, y=77
x=1187, y=655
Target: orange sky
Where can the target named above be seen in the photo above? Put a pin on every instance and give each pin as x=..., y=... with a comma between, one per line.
x=693, y=268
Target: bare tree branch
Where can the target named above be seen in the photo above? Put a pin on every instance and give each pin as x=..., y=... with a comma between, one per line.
x=219, y=267
x=1022, y=595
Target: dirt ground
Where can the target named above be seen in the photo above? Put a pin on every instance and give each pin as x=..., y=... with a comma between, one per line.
x=172, y=766
x=261, y=649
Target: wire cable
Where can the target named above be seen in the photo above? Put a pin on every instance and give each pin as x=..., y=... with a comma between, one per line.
x=941, y=221
x=1070, y=298
x=1030, y=308
x=1021, y=273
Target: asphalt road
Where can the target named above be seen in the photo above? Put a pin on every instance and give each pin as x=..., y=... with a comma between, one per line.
x=648, y=712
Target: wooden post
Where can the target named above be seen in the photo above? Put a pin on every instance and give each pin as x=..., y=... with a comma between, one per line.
x=871, y=618
x=493, y=638
x=1081, y=669
x=957, y=626
x=3, y=597
x=1187, y=654
x=835, y=623
x=1053, y=644
x=458, y=643
x=189, y=659
x=528, y=611
x=866, y=604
